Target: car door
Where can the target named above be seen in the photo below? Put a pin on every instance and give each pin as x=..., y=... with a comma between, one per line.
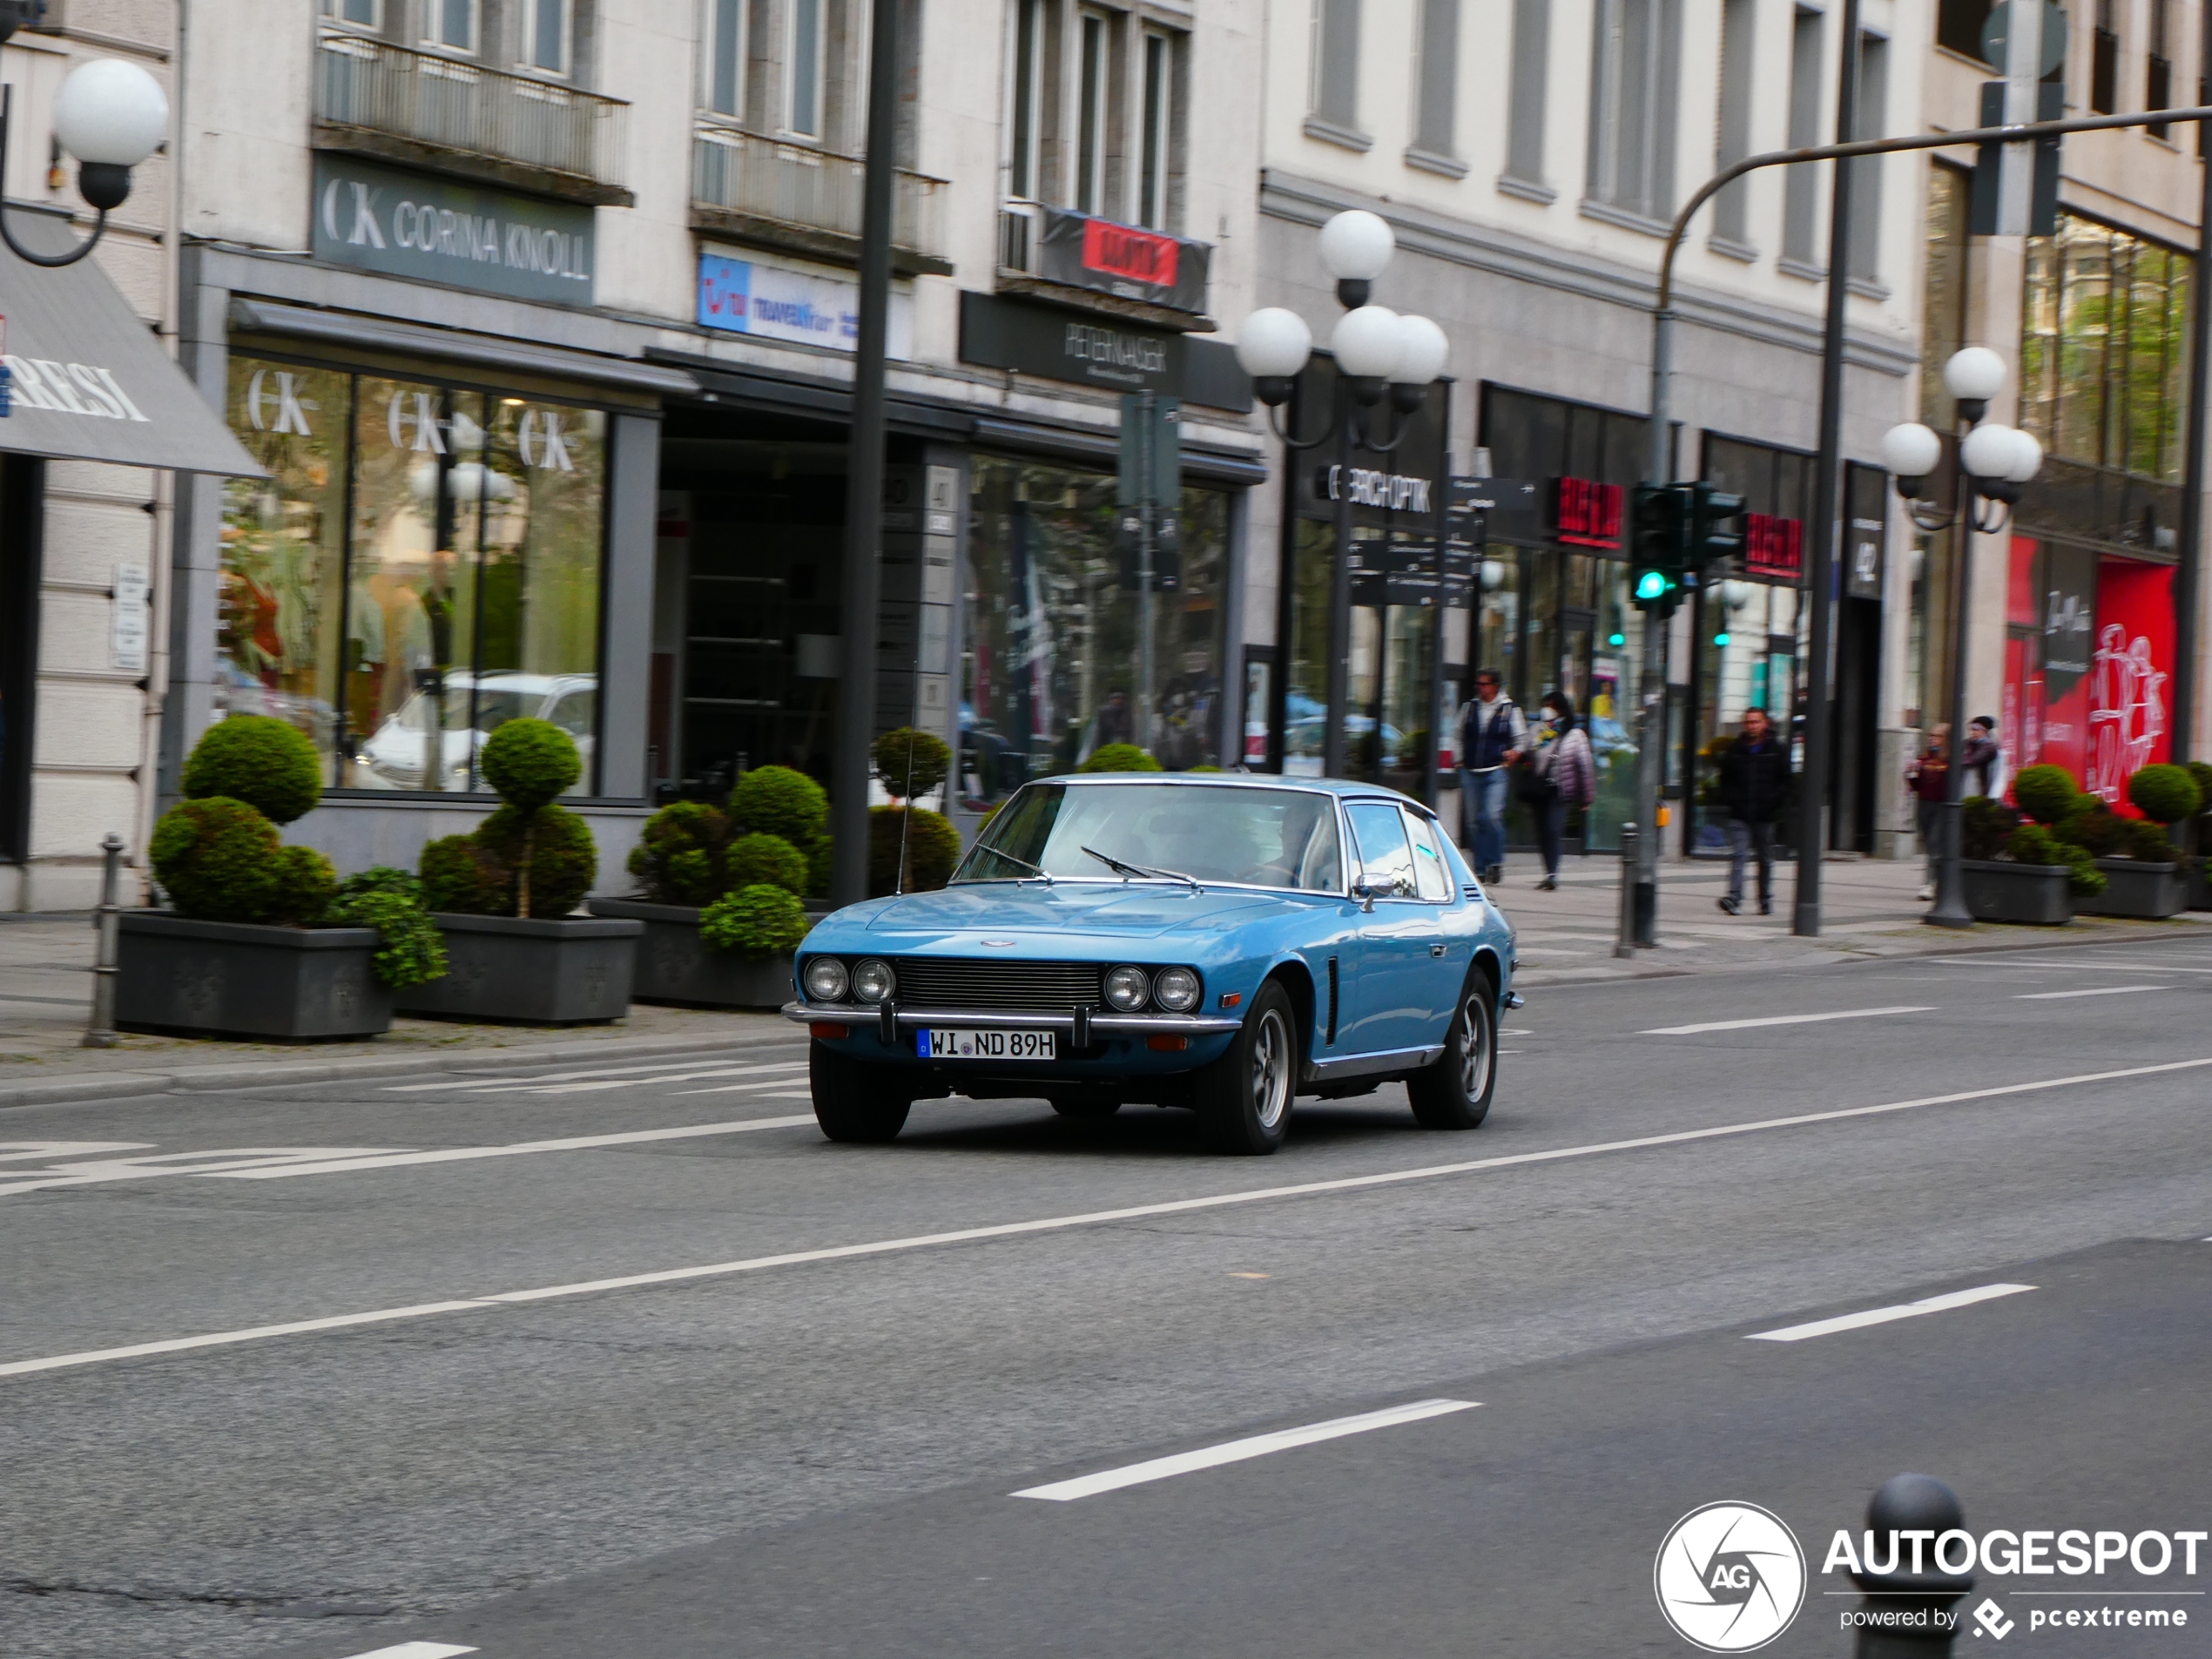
x=1390, y=999
x=1450, y=950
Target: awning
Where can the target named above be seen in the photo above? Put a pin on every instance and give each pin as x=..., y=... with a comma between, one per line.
x=88, y=380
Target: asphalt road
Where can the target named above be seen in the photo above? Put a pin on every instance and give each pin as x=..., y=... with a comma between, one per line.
x=810, y=1446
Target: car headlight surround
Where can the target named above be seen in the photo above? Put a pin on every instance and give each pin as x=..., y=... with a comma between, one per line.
x=873, y=981
x=1176, y=990
x=1127, y=989
x=827, y=980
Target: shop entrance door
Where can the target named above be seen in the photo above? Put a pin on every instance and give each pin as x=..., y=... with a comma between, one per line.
x=1858, y=658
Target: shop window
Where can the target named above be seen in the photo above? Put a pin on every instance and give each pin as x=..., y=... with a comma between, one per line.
x=459, y=589
x=1633, y=74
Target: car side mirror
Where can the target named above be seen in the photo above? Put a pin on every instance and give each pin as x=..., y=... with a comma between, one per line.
x=1364, y=889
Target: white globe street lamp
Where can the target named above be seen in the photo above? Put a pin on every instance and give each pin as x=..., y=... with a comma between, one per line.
x=1356, y=248
x=110, y=116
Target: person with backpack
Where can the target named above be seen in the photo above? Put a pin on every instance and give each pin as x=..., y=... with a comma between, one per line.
x=1755, y=788
x=1562, y=774
x=1493, y=735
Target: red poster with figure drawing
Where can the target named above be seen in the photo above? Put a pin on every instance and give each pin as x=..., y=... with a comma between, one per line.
x=2131, y=675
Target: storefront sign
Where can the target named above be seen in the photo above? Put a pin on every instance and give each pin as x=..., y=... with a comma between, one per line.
x=1774, y=548
x=415, y=225
x=1865, y=501
x=1589, y=513
x=1394, y=492
x=741, y=293
x=1063, y=345
x=1124, y=261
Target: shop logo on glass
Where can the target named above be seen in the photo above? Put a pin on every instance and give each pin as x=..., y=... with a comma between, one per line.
x=1730, y=1577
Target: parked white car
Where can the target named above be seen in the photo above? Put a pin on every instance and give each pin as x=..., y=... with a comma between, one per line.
x=471, y=710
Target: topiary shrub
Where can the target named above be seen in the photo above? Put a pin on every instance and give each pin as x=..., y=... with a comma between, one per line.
x=530, y=762
x=220, y=860
x=779, y=800
x=266, y=763
x=2033, y=844
x=931, y=849
x=411, y=950
x=530, y=858
x=455, y=881
x=1119, y=756
x=2045, y=793
x=679, y=856
x=757, y=920
x=2165, y=794
x=911, y=763
x=817, y=866
x=766, y=861
x=542, y=861
x=2096, y=828
x=2085, y=879
x=1987, y=826
x=2147, y=843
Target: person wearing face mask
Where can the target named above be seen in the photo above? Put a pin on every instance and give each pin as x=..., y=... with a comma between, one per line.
x=1561, y=775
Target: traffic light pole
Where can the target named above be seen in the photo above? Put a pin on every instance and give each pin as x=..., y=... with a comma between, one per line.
x=1639, y=918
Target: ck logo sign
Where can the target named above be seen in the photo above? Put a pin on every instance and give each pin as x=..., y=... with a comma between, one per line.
x=291, y=408
x=412, y=419
x=542, y=442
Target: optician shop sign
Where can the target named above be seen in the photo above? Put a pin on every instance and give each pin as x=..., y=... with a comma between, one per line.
x=413, y=224
x=741, y=293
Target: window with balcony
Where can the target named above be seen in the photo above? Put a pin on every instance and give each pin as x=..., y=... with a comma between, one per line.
x=356, y=14
x=726, y=59
x=1634, y=72
x=451, y=25
x=1092, y=103
x=1025, y=103
x=804, y=97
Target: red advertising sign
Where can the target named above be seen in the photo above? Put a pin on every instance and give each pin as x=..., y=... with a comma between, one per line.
x=1123, y=250
x=1774, y=548
x=2130, y=676
x=1589, y=513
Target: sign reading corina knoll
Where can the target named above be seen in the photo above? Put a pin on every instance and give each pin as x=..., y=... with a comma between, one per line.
x=439, y=230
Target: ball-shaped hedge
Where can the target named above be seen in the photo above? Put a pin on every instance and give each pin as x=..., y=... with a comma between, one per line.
x=563, y=858
x=530, y=762
x=779, y=800
x=2202, y=771
x=758, y=920
x=220, y=860
x=2045, y=793
x=267, y=762
x=1119, y=756
x=911, y=763
x=456, y=880
x=931, y=849
x=678, y=858
x=2165, y=794
x=765, y=860
x=2033, y=844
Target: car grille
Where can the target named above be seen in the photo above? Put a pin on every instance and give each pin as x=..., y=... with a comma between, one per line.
x=1025, y=987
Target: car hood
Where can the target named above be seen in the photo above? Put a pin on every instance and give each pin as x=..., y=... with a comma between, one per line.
x=1105, y=910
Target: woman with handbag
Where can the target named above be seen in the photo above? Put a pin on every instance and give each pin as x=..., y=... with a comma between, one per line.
x=1562, y=774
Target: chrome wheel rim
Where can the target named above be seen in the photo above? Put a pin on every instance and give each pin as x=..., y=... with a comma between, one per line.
x=1474, y=1050
x=1270, y=1069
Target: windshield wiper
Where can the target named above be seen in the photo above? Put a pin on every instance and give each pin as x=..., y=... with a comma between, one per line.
x=1034, y=869
x=1137, y=869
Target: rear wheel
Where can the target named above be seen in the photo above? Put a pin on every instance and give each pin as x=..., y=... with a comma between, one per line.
x=1084, y=1103
x=1455, y=1092
x=1243, y=1098
x=855, y=1101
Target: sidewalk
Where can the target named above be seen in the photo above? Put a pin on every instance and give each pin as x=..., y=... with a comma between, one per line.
x=1870, y=908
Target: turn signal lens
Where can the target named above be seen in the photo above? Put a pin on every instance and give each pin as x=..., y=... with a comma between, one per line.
x=1176, y=990
x=1127, y=989
x=873, y=981
x=826, y=979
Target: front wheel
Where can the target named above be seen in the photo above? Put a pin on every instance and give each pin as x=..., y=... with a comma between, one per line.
x=1243, y=1098
x=1455, y=1092
x=853, y=1100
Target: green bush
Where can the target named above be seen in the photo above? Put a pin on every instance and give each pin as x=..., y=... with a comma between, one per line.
x=1987, y=826
x=530, y=762
x=411, y=950
x=766, y=861
x=911, y=763
x=2045, y=793
x=932, y=847
x=2201, y=770
x=2033, y=844
x=2147, y=843
x=1119, y=756
x=779, y=800
x=220, y=860
x=2165, y=794
x=481, y=875
x=2096, y=828
x=818, y=851
x=456, y=881
x=267, y=762
x=2087, y=881
x=679, y=857
x=758, y=920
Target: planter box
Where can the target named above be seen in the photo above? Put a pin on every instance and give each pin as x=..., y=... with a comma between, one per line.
x=2036, y=894
x=2133, y=888
x=575, y=971
x=675, y=968
x=232, y=979
x=2200, y=886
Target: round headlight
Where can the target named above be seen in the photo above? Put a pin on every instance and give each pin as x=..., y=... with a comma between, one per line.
x=1176, y=990
x=826, y=979
x=1127, y=988
x=872, y=982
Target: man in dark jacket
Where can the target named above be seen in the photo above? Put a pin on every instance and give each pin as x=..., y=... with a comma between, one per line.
x=1754, y=787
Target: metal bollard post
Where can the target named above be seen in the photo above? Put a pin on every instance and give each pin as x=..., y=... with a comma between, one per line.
x=100, y=1034
x=1625, y=944
x=1908, y=1614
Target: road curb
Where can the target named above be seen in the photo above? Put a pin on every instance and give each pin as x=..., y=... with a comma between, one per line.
x=123, y=1085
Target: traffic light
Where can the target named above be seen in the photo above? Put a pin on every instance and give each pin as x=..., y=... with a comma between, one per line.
x=1716, y=527
x=1658, y=549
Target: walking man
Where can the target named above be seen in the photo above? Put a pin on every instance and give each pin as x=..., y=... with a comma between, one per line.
x=1493, y=733
x=1754, y=787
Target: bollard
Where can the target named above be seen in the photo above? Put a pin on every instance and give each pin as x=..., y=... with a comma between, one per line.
x=100, y=1034
x=1625, y=942
x=1908, y=1614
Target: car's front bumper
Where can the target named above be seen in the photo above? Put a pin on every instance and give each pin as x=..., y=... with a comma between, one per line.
x=886, y=1020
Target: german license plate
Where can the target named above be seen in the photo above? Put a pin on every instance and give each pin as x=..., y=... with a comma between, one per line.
x=989, y=1045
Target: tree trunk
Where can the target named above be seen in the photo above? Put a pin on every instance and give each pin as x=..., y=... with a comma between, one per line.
x=529, y=851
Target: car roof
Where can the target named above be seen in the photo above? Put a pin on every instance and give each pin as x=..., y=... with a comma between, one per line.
x=1232, y=780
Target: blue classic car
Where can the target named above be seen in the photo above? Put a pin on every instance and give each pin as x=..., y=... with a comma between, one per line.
x=1212, y=942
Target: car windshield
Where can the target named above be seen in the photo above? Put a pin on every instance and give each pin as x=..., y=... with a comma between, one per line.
x=1272, y=837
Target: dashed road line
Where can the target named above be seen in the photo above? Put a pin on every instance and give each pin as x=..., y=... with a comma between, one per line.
x=1858, y=1321
x=466, y=1154
x=2090, y=990
x=1779, y=1019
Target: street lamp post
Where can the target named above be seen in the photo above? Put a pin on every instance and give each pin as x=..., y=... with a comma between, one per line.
x=110, y=115
x=1992, y=464
x=1376, y=350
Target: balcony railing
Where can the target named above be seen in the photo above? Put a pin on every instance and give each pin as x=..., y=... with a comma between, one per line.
x=418, y=106
x=809, y=200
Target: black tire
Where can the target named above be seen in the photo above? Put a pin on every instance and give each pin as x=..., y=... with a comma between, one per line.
x=1243, y=1098
x=1085, y=1103
x=855, y=1101
x=1455, y=1092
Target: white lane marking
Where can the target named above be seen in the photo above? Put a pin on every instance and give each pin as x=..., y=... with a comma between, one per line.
x=15, y=1151
x=734, y=1089
x=416, y=1650
x=1097, y=1217
x=2131, y=964
x=533, y=1088
x=2093, y=990
x=95, y=1171
x=501, y=1082
x=1161, y=1468
x=1777, y=1019
x=464, y=1154
x=1882, y=1315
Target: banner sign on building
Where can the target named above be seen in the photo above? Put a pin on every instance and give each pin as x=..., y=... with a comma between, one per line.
x=1124, y=261
x=1774, y=549
x=1589, y=513
x=742, y=295
x=2131, y=676
x=405, y=224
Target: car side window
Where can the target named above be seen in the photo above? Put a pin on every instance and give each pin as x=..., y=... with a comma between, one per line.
x=1430, y=875
x=1385, y=858
x=1320, y=869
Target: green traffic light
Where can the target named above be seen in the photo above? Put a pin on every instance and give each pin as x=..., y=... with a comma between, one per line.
x=1616, y=639
x=1720, y=639
x=1651, y=585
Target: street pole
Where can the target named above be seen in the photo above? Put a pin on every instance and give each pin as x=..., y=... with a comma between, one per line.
x=1147, y=461
x=1339, y=685
x=2188, y=589
x=1812, y=795
x=1640, y=916
x=849, y=772
x=1950, y=908
x=100, y=1031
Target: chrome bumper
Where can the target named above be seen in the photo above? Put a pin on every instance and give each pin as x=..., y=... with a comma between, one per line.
x=900, y=1019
